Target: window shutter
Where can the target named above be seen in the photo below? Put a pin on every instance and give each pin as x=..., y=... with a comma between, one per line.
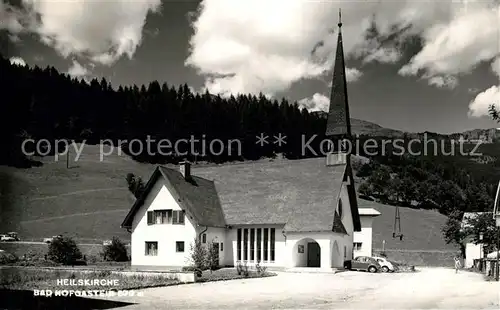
x=150, y=217
x=169, y=214
x=181, y=217
x=174, y=217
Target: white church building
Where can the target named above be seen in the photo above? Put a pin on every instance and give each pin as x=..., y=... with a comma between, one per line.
x=282, y=214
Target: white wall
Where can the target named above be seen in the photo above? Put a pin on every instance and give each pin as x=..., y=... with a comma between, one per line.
x=472, y=251
x=296, y=259
x=365, y=237
x=348, y=222
x=166, y=235
x=215, y=235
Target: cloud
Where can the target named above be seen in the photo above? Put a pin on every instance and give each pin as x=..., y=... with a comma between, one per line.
x=101, y=31
x=252, y=46
x=459, y=45
x=77, y=70
x=480, y=105
x=17, y=61
x=443, y=81
x=318, y=102
x=352, y=74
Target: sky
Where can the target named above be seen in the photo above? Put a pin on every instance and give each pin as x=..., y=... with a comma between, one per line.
x=411, y=65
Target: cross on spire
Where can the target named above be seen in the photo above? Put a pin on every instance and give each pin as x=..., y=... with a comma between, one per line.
x=340, y=18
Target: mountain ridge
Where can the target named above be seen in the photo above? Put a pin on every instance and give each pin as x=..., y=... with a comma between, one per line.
x=367, y=128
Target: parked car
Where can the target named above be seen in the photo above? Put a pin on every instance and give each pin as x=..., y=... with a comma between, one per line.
x=107, y=242
x=365, y=263
x=387, y=266
x=7, y=238
x=49, y=240
x=11, y=236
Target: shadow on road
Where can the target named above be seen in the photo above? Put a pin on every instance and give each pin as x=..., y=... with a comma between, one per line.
x=14, y=299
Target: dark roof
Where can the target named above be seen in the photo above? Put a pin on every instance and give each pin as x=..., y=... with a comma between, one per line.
x=197, y=196
x=339, y=123
x=302, y=194
x=338, y=226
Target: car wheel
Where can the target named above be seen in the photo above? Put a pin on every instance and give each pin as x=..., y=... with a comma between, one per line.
x=385, y=269
x=372, y=269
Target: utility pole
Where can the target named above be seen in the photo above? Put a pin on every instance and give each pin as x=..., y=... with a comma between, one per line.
x=498, y=253
x=67, y=158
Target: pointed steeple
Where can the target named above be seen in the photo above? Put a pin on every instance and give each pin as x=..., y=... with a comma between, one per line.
x=339, y=123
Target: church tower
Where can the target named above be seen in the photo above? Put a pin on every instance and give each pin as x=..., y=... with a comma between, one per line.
x=338, y=126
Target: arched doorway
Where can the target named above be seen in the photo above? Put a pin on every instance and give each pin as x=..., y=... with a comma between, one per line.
x=306, y=253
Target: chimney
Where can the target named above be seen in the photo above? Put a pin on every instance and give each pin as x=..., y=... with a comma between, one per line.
x=185, y=169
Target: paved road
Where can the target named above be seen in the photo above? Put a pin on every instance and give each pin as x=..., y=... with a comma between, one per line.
x=430, y=288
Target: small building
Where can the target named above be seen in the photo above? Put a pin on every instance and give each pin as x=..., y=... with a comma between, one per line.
x=472, y=251
x=364, y=238
x=256, y=213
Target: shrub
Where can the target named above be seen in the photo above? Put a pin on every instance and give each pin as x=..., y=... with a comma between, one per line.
x=261, y=270
x=7, y=258
x=116, y=251
x=242, y=269
x=198, y=257
x=213, y=257
x=64, y=250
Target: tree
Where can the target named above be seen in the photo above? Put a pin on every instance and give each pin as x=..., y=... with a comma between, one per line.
x=64, y=250
x=116, y=251
x=213, y=256
x=452, y=232
x=484, y=224
x=365, y=189
x=198, y=256
x=135, y=185
x=495, y=115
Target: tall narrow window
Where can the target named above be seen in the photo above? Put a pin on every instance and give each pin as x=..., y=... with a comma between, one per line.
x=266, y=239
x=272, y=244
x=245, y=244
x=204, y=238
x=238, y=245
x=259, y=244
x=252, y=244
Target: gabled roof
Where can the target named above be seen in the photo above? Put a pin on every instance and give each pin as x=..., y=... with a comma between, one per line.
x=301, y=194
x=197, y=196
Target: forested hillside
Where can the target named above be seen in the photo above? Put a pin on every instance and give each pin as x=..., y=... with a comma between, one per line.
x=45, y=104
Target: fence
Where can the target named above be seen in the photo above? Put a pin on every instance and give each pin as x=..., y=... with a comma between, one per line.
x=486, y=266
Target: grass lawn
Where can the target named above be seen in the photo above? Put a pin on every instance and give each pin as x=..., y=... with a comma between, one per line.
x=231, y=274
x=42, y=279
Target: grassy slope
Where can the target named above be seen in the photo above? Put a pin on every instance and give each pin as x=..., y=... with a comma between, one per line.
x=90, y=200
x=87, y=201
x=421, y=228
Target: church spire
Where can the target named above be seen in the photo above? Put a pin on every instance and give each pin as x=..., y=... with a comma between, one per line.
x=339, y=123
